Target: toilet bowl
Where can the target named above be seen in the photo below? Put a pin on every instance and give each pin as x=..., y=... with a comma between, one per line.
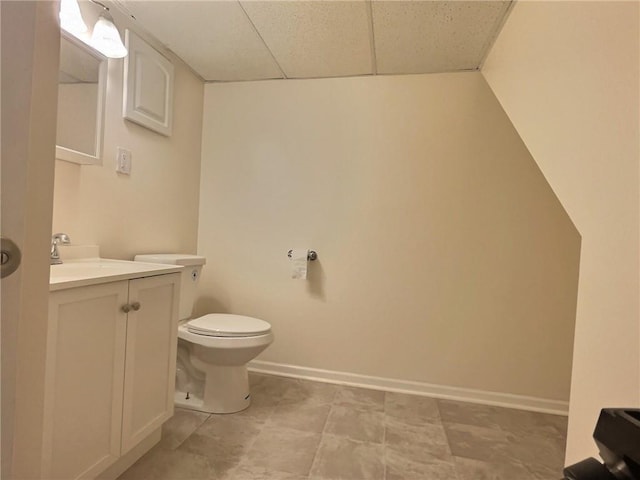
x=218, y=346
x=214, y=349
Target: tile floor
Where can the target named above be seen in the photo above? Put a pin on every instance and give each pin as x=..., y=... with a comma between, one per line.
x=296, y=429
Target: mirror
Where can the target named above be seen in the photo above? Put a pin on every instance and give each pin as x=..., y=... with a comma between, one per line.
x=81, y=93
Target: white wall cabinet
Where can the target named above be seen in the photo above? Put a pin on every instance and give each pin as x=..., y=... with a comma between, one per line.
x=148, y=86
x=110, y=374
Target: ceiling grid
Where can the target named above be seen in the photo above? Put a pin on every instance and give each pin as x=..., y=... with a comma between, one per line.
x=284, y=75
x=244, y=40
x=372, y=38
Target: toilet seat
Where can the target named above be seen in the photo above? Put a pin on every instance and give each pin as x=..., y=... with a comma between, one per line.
x=226, y=325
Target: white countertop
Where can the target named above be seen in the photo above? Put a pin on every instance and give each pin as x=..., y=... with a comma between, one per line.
x=93, y=271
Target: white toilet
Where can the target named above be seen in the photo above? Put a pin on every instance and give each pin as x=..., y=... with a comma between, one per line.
x=213, y=350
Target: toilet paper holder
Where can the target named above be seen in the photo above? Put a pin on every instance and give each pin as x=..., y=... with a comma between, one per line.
x=311, y=255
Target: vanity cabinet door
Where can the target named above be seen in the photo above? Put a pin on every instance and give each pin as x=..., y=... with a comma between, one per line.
x=83, y=380
x=151, y=356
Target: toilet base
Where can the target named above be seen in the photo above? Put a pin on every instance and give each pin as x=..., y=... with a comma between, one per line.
x=194, y=402
x=226, y=390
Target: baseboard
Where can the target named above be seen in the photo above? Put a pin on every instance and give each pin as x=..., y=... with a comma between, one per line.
x=520, y=402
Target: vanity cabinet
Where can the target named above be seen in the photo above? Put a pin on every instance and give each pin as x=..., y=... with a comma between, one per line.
x=111, y=351
x=150, y=366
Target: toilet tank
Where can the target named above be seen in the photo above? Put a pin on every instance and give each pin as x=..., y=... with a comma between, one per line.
x=190, y=275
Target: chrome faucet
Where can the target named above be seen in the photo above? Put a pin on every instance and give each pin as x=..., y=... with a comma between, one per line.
x=56, y=239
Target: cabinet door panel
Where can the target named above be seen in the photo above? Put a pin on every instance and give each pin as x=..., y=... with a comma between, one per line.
x=148, y=86
x=151, y=356
x=83, y=382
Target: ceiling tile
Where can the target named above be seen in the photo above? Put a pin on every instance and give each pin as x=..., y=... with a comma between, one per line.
x=315, y=38
x=214, y=37
x=434, y=36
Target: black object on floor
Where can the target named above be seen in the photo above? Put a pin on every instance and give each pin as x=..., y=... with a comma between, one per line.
x=617, y=435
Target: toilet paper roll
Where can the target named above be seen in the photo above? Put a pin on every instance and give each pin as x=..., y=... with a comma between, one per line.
x=299, y=263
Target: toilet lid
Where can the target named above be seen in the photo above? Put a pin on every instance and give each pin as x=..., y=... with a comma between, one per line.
x=224, y=325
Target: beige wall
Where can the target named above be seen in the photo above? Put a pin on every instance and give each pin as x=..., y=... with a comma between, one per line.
x=30, y=43
x=567, y=75
x=155, y=209
x=444, y=256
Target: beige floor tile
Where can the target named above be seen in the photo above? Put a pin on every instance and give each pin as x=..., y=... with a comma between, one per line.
x=256, y=378
x=162, y=464
x=523, y=423
x=399, y=467
x=543, y=472
x=297, y=430
x=465, y=413
x=469, y=469
x=308, y=418
x=519, y=422
x=340, y=458
x=224, y=440
x=479, y=443
x=411, y=409
x=259, y=473
x=559, y=422
x=360, y=397
x=258, y=413
x=180, y=426
x=422, y=443
x=305, y=392
x=283, y=450
x=229, y=427
x=537, y=450
x=356, y=424
x=268, y=390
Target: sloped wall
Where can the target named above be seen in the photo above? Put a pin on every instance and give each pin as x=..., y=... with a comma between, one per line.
x=567, y=75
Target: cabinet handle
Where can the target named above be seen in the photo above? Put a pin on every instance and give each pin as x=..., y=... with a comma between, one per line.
x=126, y=308
x=135, y=306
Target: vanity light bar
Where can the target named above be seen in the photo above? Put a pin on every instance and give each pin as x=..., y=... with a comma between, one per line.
x=105, y=37
x=70, y=17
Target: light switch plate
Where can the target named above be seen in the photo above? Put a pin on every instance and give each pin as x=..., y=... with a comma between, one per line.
x=123, y=161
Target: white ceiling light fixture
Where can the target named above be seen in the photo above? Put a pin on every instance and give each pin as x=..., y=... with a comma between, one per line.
x=105, y=37
x=71, y=18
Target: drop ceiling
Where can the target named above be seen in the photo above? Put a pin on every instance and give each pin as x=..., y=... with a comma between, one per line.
x=255, y=40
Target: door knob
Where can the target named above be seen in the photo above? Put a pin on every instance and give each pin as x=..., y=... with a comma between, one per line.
x=126, y=308
x=10, y=257
x=135, y=306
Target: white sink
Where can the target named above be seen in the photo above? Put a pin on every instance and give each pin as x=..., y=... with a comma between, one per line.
x=91, y=271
